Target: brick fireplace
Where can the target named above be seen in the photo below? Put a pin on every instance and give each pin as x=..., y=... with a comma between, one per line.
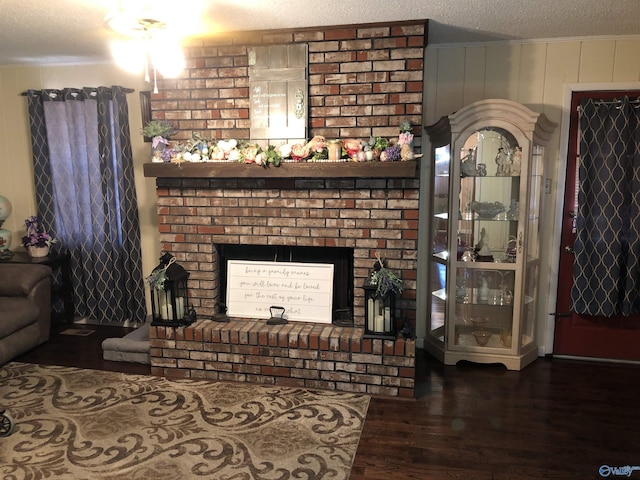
x=363, y=81
x=327, y=208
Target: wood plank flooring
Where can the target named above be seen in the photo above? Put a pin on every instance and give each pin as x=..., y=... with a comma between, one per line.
x=556, y=419
x=81, y=351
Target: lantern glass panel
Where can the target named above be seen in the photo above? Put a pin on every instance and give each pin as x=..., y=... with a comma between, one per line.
x=170, y=300
x=379, y=313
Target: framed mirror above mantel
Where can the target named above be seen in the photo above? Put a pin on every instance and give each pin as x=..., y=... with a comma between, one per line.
x=404, y=169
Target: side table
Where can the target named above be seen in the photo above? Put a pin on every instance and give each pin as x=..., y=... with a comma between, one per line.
x=61, y=286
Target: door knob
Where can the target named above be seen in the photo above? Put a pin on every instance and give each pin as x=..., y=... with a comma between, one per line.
x=569, y=249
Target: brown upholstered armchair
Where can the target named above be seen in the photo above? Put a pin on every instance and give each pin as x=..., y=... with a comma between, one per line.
x=25, y=308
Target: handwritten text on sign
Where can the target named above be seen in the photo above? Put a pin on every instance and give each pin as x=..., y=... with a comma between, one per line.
x=304, y=290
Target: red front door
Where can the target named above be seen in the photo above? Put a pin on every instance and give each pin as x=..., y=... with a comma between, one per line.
x=581, y=335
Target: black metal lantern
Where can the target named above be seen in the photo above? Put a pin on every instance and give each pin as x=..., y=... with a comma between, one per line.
x=380, y=302
x=169, y=294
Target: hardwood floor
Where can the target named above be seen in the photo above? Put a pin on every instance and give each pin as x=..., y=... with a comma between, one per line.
x=556, y=419
x=81, y=351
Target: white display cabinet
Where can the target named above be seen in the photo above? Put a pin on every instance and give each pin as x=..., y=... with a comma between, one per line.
x=487, y=165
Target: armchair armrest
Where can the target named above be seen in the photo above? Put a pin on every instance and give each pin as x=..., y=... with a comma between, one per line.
x=18, y=279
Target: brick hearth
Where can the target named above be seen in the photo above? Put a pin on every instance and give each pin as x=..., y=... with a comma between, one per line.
x=296, y=354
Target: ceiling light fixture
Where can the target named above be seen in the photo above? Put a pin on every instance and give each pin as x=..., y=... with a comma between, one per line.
x=149, y=44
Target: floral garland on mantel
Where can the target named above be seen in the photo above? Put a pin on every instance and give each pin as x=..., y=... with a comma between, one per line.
x=318, y=149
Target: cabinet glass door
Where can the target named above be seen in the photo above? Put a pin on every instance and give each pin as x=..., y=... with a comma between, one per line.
x=440, y=242
x=532, y=244
x=490, y=163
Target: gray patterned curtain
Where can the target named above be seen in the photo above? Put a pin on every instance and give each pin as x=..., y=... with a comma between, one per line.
x=85, y=191
x=606, y=270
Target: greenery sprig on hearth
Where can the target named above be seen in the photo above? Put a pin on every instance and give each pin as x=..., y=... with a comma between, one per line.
x=385, y=280
x=157, y=278
x=159, y=274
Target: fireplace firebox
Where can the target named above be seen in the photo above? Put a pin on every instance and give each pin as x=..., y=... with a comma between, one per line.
x=340, y=257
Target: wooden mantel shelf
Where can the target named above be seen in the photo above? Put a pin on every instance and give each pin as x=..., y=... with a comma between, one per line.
x=285, y=170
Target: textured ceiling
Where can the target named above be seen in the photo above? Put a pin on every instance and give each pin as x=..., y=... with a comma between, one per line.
x=71, y=31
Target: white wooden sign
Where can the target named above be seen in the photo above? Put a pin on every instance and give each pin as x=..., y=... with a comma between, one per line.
x=304, y=290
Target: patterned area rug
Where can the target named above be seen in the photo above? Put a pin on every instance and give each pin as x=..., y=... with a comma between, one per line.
x=86, y=424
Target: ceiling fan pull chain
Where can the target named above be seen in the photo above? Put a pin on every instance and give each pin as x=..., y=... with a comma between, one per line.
x=146, y=70
x=155, y=80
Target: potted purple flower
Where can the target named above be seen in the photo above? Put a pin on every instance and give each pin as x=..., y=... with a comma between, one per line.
x=159, y=131
x=37, y=241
